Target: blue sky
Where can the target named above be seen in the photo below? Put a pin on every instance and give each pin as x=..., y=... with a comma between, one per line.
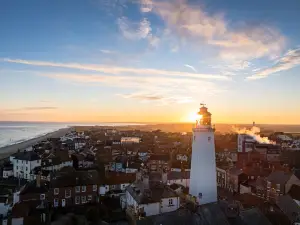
x=149, y=60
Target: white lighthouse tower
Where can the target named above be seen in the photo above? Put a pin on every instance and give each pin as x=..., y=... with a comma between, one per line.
x=203, y=180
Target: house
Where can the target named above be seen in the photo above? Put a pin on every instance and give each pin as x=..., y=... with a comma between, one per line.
x=182, y=157
x=145, y=200
x=130, y=140
x=182, y=178
x=71, y=189
x=235, y=177
x=294, y=192
x=24, y=162
x=8, y=170
x=159, y=162
x=114, y=181
x=37, y=171
x=222, y=176
x=280, y=183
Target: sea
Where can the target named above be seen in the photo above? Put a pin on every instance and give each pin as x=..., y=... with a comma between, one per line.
x=17, y=132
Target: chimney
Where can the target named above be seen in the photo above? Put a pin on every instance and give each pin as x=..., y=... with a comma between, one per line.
x=138, y=176
x=146, y=182
x=38, y=179
x=164, y=177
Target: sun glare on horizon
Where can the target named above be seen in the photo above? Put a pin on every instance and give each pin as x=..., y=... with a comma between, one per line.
x=191, y=117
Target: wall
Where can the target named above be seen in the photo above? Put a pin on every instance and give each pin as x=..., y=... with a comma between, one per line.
x=244, y=189
x=151, y=209
x=7, y=173
x=17, y=221
x=3, y=209
x=165, y=207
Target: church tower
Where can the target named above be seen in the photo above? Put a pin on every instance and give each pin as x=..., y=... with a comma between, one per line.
x=203, y=180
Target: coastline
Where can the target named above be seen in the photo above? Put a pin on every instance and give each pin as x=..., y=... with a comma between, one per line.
x=6, y=151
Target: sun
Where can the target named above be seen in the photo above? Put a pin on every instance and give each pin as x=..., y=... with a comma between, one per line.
x=193, y=116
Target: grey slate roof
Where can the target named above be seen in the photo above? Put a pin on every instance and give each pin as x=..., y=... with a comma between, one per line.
x=279, y=177
x=27, y=156
x=209, y=214
x=254, y=217
x=154, y=194
x=235, y=171
x=173, y=175
x=288, y=206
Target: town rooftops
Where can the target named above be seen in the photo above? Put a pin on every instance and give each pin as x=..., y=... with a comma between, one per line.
x=173, y=175
x=154, y=194
x=32, y=188
x=235, y=171
x=161, y=157
x=27, y=156
x=113, y=178
x=253, y=217
x=63, y=179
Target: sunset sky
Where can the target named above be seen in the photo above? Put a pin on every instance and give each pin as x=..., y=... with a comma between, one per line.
x=150, y=60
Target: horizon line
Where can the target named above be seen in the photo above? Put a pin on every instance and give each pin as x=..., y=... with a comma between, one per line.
x=142, y=123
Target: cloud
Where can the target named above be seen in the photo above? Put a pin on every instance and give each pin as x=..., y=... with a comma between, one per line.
x=191, y=67
x=289, y=60
x=38, y=108
x=146, y=6
x=247, y=41
x=117, y=70
x=134, y=30
x=160, y=99
x=105, y=51
x=162, y=90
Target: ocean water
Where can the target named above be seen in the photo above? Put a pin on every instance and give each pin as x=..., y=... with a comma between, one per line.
x=16, y=132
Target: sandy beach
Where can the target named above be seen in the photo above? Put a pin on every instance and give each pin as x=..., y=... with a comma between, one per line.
x=8, y=150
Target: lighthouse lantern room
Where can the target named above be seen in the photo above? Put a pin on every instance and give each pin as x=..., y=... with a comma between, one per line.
x=203, y=181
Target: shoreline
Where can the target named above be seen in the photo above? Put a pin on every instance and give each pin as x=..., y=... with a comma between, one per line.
x=6, y=151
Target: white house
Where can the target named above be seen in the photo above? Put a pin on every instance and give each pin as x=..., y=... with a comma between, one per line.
x=24, y=162
x=181, y=178
x=143, y=200
x=130, y=140
x=182, y=157
x=8, y=171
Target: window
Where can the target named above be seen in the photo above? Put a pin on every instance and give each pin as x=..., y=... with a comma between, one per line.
x=94, y=187
x=56, y=191
x=26, y=168
x=83, y=188
x=278, y=186
x=77, y=189
x=113, y=186
x=209, y=138
x=67, y=193
x=42, y=197
x=90, y=198
x=194, y=138
x=83, y=199
x=56, y=202
x=77, y=200
x=17, y=167
x=269, y=184
x=38, y=161
x=170, y=201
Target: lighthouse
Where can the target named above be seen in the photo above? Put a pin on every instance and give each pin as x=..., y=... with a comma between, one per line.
x=203, y=180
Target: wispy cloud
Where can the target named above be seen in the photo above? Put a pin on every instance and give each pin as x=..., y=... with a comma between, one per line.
x=160, y=99
x=38, y=108
x=191, y=67
x=117, y=70
x=105, y=51
x=163, y=90
x=289, y=60
x=146, y=6
x=193, y=23
x=134, y=30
